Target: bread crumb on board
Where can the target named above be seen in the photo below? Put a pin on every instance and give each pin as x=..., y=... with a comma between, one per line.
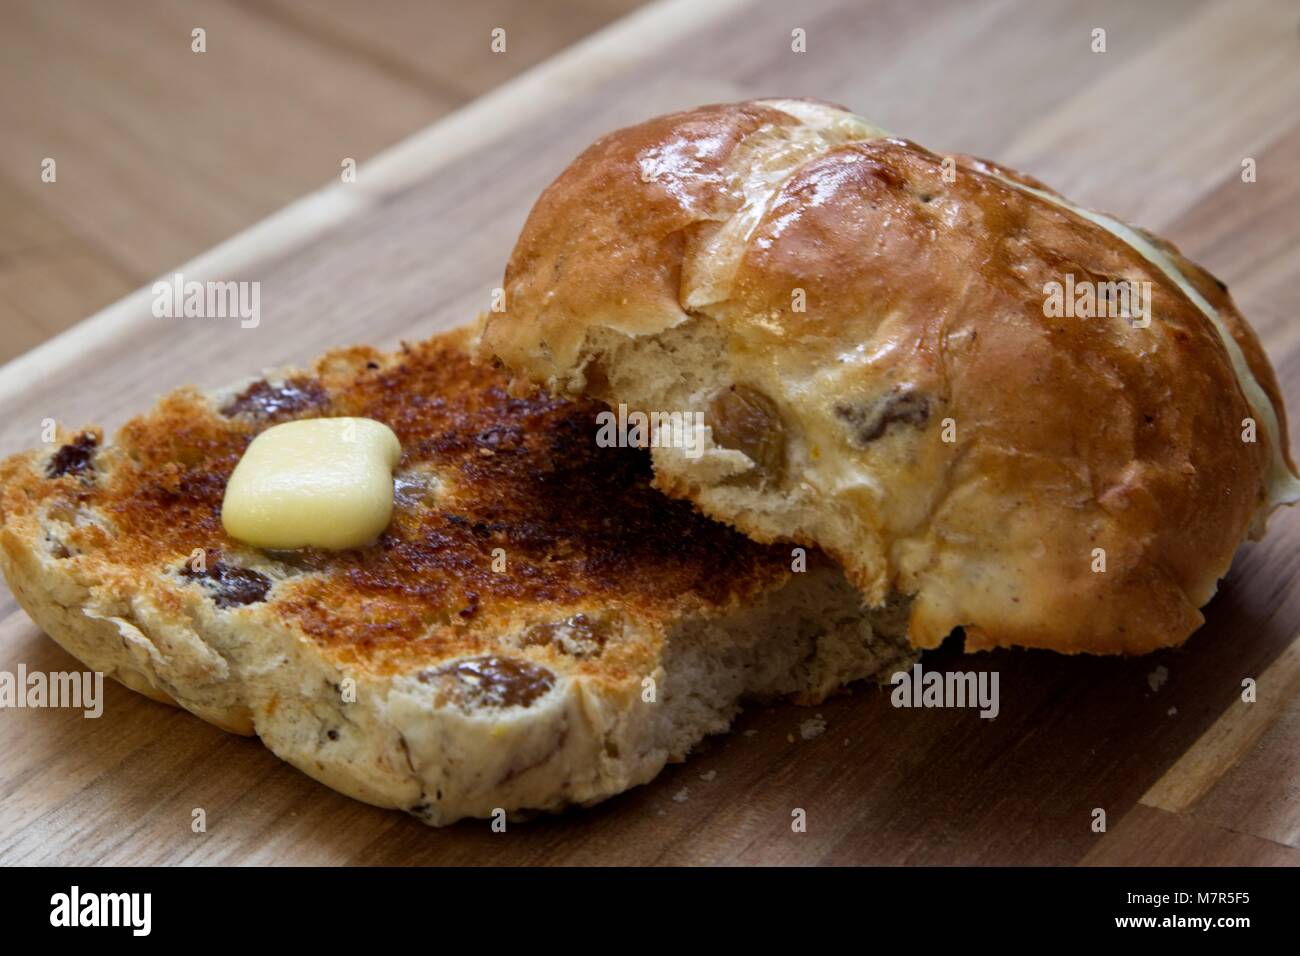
x=812, y=727
x=1156, y=679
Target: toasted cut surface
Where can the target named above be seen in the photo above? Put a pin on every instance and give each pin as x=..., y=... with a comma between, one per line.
x=537, y=626
x=865, y=327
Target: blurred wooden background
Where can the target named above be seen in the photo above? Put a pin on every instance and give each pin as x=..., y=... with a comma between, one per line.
x=162, y=152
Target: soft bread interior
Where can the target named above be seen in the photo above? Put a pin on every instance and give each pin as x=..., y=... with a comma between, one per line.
x=797, y=495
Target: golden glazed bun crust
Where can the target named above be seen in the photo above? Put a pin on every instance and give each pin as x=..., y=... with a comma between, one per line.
x=868, y=340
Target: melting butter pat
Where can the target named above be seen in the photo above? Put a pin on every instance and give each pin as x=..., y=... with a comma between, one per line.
x=320, y=482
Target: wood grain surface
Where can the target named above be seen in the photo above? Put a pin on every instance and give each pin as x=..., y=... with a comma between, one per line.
x=1155, y=129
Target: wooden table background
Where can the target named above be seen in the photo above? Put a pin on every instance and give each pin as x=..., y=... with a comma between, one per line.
x=163, y=152
x=1154, y=129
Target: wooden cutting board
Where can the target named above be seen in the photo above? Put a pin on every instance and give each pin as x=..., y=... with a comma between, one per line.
x=1154, y=129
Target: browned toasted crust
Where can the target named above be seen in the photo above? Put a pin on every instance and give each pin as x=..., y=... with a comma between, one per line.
x=1072, y=435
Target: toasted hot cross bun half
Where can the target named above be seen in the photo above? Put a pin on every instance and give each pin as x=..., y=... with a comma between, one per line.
x=537, y=627
x=867, y=330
